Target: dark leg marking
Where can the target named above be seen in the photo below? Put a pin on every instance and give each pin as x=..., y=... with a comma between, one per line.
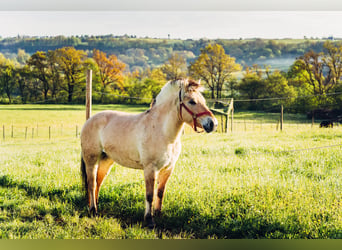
x=149, y=198
x=160, y=193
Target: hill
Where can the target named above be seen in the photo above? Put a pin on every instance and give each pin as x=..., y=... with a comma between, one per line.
x=143, y=53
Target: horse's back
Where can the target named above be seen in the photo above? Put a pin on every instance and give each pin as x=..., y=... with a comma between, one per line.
x=104, y=118
x=108, y=124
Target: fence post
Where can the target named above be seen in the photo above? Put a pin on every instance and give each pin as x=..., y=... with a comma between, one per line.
x=88, y=94
x=281, y=118
x=230, y=110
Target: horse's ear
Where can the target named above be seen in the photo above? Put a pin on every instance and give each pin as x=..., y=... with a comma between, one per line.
x=193, y=86
x=200, y=87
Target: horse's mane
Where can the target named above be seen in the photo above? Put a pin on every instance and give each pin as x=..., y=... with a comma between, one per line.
x=173, y=87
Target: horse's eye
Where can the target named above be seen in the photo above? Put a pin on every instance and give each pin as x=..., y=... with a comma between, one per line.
x=192, y=102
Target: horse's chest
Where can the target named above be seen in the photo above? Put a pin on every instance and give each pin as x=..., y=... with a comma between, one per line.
x=163, y=156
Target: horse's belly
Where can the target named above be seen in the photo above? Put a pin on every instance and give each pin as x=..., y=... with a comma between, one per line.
x=128, y=163
x=125, y=158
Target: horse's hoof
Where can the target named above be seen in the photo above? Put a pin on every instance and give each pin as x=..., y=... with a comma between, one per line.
x=149, y=223
x=93, y=213
x=157, y=213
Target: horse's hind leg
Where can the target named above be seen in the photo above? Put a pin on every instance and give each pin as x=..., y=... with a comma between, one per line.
x=90, y=179
x=104, y=166
x=149, y=174
x=163, y=177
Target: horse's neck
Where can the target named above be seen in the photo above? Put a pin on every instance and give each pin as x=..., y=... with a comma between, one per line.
x=171, y=126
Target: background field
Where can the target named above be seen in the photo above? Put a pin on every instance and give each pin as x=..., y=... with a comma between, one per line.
x=256, y=182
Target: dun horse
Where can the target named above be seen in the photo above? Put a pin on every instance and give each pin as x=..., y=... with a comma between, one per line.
x=150, y=141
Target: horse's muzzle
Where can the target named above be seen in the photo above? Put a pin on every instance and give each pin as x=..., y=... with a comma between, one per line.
x=209, y=124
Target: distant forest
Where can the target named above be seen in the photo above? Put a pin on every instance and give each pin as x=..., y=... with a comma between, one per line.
x=304, y=75
x=142, y=53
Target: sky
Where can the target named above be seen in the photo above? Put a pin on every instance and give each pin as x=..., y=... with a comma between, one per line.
x=177, y=24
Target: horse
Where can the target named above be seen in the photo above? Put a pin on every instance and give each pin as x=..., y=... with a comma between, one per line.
x=150, y=141
x=326, y=124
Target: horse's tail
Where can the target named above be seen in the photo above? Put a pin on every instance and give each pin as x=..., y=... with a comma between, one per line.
x=84, y=175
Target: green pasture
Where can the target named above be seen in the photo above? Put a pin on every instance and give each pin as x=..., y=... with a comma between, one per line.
x=252, y=183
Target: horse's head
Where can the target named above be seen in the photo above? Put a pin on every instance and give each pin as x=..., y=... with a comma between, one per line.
x=192, y=107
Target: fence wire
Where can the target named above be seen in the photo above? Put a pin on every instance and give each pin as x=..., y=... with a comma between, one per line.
x=244, y=125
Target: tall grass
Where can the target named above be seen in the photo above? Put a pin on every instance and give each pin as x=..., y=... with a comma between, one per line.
x=247, y=184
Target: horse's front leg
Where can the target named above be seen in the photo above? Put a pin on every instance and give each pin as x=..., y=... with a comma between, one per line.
x=149, y=174
x=163, y=177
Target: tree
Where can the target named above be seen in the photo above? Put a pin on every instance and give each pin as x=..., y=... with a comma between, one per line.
x=333, y=60
x=175, y=67
x=55, y=74
x=252, y=85
x=70, y=62
x=39, y=66
x=215, y=68
x=232, y=86
x=22, y=56
x=260, y=83
x=276, y=86
x=110, y=71
x=22, y=76
x=321, y=72
x=7, y=83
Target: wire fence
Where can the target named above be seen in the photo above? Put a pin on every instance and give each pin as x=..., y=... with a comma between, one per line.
x=41, y=141
x=244, y=121
x=23, y=132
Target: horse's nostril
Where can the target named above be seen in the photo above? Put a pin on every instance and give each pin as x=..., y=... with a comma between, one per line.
x=211, y=125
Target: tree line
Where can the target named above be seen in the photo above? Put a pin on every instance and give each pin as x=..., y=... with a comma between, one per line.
x=313, y=81
x=142, y=53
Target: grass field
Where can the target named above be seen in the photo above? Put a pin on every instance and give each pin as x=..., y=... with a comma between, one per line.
x=256, y=182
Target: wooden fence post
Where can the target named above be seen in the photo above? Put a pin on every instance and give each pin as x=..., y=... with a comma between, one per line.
x=230, y=110
x=88, y=94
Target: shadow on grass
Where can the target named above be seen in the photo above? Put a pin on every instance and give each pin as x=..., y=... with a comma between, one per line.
x=240, y=222
x=68, y=196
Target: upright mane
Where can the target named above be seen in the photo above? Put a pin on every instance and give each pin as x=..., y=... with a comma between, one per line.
x=173, y=87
